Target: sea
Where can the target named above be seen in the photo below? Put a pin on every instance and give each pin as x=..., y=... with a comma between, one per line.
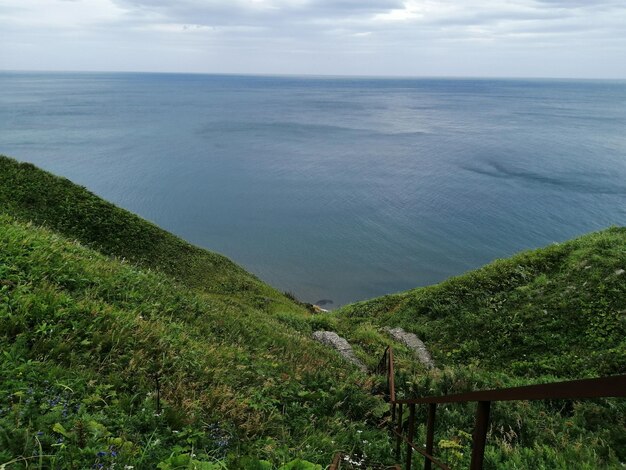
x=335, y=189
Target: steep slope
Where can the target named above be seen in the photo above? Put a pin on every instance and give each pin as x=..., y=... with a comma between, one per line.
x=104, y=363
x=124, y=345
x=541, y=316
x=558, y=310
x=28, y=193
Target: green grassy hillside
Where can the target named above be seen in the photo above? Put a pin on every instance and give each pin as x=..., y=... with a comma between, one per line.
x=559, y=310
x=28, y=193
x=123, y=346
x=545, y=315
x=102, y=312
x=89, y=342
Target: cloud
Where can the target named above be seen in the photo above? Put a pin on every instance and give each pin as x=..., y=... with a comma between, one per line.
x=386, y=37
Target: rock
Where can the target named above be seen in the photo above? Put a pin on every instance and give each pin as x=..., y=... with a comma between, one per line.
x=414, y=343
x=333, y=340
x=318, y=309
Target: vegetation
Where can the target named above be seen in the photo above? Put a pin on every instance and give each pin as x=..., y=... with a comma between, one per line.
x=106, y=361
x=559, y=310
x=541, y=316
x=29, y=193
x=123, y=346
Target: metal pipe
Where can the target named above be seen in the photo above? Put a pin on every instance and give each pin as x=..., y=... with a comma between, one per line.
x=480, y=435
x=409, y=447
x=430, y=434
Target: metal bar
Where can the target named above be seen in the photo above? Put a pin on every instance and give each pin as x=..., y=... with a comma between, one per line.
x=388, y=395
x=604, y=387
x=382, y=364
x=480, y=435
x=399, y=432
x=336, y=462
x=392, y=380
x=409, y=447
x=430, y=457
x=430, y=434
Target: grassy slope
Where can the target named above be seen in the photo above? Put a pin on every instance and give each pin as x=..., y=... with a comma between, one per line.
x=32, y=194
x=71, y=317
x=98, y=305
x=545, y=315
x=560, y=310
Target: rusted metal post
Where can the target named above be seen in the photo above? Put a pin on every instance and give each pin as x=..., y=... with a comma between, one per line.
x=399, y=432
x=392, y=377
x=430, y=434
x=480, y=435
x=409, y=449
x=386, y=366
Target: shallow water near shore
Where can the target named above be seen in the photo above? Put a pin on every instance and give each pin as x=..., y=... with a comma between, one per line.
x=339, y=189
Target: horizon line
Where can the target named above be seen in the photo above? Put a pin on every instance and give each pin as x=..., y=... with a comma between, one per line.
x=319, y=76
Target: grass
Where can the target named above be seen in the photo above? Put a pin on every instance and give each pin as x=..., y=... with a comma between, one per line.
x=89, y=342
x=560, y=310
x=122, y=345
x=541, y=316
x=119, y=338
x=28, y=193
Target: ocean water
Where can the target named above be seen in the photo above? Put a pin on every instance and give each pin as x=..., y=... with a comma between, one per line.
x=335, y=188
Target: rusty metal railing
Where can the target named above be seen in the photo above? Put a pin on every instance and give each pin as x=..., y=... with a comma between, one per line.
x=603, y=387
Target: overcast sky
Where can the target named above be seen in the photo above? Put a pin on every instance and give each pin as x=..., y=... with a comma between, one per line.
x=523, y=38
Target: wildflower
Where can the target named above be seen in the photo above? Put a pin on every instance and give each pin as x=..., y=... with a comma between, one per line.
x=101, y=454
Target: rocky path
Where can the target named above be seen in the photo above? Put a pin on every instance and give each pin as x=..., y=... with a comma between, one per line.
x=333, y=340
x=414, y=343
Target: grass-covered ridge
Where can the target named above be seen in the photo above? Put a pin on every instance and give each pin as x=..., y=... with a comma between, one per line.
x=29, y=193
x=101, y=312
x=122, y=345
x=558, y=310
x=541, y=316
x=88, y=342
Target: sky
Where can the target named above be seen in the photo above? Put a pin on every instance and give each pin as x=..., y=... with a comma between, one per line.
x=467, y=38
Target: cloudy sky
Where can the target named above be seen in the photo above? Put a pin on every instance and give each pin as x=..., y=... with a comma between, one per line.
x=522, y=38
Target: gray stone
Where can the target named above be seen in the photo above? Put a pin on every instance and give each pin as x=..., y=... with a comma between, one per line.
x=333, y=340
x=414, y=343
